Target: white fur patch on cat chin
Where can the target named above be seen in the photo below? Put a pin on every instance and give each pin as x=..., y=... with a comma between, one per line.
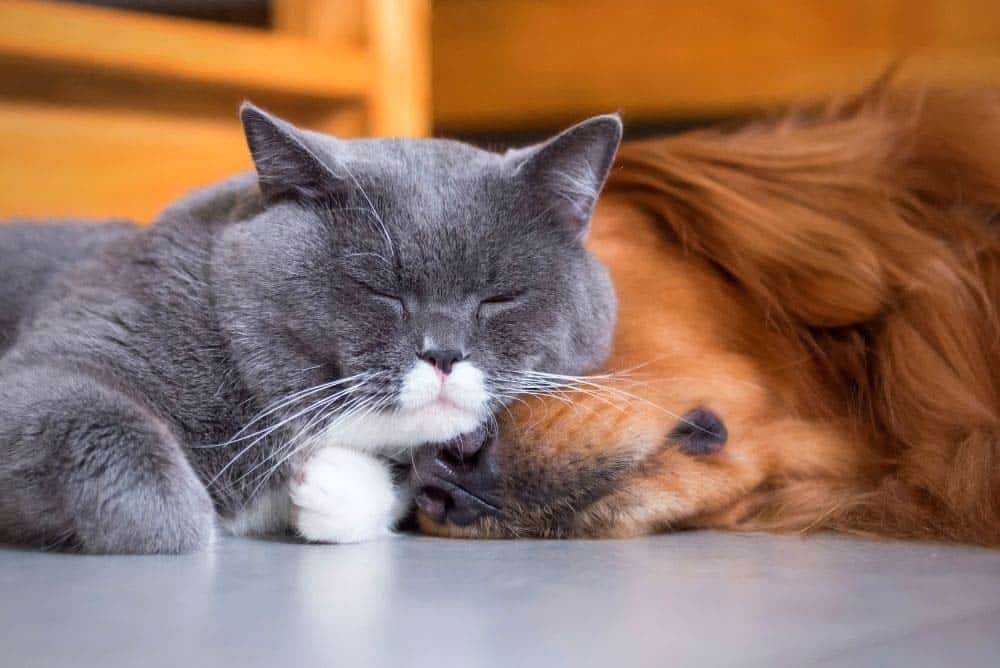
x=344, y=496
x=432, y=408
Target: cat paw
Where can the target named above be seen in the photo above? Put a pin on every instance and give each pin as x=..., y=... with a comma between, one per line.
x=344, y=496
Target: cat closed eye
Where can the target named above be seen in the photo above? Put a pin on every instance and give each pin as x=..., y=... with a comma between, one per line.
x=395, y=302
x=497, y=304
x=391, y=300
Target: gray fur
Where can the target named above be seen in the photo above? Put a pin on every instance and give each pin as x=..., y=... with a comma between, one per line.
x=127, y=350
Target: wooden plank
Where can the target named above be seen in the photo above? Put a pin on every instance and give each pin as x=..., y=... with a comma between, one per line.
x=323, y=23
x=78, y=87
x=398, y=40
x=396, y=34
x=509, y=63
x=339, y=21
x=176, y=49
x=66, y=162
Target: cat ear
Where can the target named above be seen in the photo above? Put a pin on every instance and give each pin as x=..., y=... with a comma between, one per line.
x=567, y=172
x=286, y=164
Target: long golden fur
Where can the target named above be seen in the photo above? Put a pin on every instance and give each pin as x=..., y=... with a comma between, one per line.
x=828, y=283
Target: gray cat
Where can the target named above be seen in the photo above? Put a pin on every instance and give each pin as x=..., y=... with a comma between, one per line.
x=254, y=357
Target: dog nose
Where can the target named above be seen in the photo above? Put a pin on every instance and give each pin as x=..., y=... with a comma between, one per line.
x=442, y=359
x=457, y=481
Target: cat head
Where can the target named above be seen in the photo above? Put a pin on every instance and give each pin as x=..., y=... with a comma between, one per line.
x=435, y=276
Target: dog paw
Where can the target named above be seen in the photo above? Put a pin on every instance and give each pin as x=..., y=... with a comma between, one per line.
x=344, y=496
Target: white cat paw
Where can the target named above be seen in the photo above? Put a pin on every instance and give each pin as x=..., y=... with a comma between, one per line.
x=344, y=496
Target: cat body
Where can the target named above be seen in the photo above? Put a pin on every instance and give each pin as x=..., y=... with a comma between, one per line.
x=253, y=357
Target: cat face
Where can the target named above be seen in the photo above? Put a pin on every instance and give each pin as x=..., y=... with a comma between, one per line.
x=424, y=280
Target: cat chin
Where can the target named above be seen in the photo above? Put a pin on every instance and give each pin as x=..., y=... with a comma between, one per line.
x=393, y=432
x=430, y=408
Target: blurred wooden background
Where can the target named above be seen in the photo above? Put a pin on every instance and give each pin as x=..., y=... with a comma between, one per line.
x=107, y=112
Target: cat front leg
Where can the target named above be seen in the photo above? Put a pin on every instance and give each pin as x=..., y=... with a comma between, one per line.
x=345, y=496
x=84, y=466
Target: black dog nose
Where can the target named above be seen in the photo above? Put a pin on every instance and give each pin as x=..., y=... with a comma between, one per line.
x=442, y=359
x=457, y=481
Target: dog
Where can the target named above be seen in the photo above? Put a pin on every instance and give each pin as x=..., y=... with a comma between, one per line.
x=807, y=339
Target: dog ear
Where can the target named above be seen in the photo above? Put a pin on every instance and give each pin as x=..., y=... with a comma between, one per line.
x=791, y=219
x=816, y=268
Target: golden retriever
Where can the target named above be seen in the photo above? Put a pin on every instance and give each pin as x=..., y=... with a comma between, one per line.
x=807, y=338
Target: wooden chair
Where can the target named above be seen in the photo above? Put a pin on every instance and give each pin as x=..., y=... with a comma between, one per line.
x=508, y=65
x=114, y=113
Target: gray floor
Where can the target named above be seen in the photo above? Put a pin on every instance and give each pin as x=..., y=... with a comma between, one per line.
x=692, y=599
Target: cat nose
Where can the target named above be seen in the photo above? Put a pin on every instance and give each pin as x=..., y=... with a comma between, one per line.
x=442, y=359
x=457, y=481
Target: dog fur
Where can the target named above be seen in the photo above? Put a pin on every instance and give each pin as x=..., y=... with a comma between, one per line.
x=828, y=284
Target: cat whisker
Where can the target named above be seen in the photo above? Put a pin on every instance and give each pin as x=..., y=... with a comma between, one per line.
x=305, y=430
x=279, y=453
x=372, y=209
x=286, y=401
x=261, y=435
x=365, y=406
x=561, y=387
x=592, y=386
